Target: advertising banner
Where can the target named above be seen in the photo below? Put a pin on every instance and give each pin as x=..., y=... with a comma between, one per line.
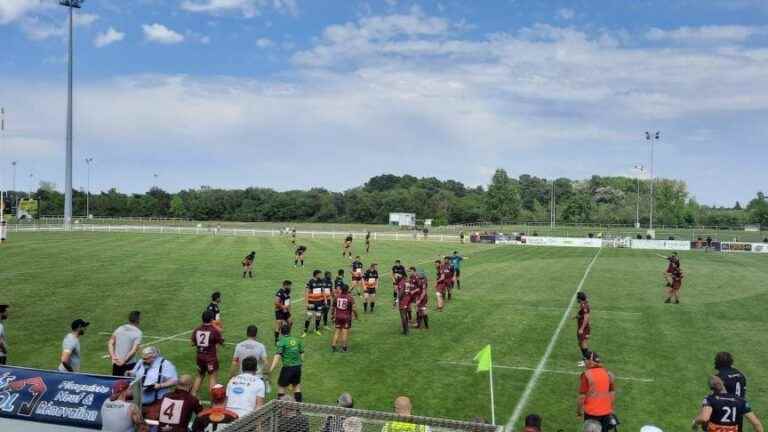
x=760, y=247
x=563, y=241
x=66, y=399
x=702, y=244
x=736, y=247
x=661, y=244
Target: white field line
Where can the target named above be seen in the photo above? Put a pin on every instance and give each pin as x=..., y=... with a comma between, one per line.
x=554, y=371
x=548, y=352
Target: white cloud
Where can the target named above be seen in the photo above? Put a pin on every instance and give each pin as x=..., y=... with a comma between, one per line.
x=108, y=37
x=161, y=34
x=707, y=34
x=11, y=10
x=248, y=8
x=566, y=14
x=41, y=28
x=205, y=40
x=264, y=43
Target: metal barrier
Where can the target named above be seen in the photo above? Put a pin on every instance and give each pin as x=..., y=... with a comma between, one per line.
x=284, y=416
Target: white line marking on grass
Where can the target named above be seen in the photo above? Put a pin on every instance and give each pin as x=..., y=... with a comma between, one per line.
x=550, y=347
x=164, y=339
x=554, y=371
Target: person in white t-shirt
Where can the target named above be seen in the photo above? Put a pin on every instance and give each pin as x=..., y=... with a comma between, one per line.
x=250, y=347
x=246, y=392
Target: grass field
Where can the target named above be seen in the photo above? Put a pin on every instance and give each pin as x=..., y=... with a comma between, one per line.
x=513, y=298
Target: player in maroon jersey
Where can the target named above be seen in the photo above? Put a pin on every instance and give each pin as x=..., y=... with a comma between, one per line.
x=673, y=291
x=673, y=262
x=448, y=274
x=205, y=339
x=343, y=312
x=402, y=287
x=584, y=324
x=419, y=296
x=440, y=286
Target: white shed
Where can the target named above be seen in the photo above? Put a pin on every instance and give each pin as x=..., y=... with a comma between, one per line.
x=403, y=219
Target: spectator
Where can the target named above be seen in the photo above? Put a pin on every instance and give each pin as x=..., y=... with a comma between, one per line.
x=124, y=344
x=177, y=407
x=721, y=411
x=3, y=342
x=250, y=347
x=70, y=347
x=403, y=408
x=157, y=375
x=218, y=414
x=735, y=381
x=291, y=352
x=596, y=393
x=532, y=423
x=117, y=414
x=291, y=420
x=246, y=392
x=336, y=423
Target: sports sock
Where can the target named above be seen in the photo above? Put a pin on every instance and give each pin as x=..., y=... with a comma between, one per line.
x=365, y=306
x=584, y=353
x=297, y=396
x=250, y=274
x=277, y=337
x=373, y=305
x=317, y=324
x=302, y=263
x=306, y=326
x=458, y=284
x=295, y=262
x=243, y=275
x=426, y=321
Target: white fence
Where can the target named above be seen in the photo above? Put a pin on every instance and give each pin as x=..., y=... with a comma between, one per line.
x=231, y=232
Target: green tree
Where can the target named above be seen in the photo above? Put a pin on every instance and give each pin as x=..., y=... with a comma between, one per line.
x=502, y=201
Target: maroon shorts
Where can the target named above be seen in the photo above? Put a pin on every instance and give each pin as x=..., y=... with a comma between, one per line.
x=207, y=365
x=584, y=336
x=440, y=288
x=405, y=302
x=343, y=322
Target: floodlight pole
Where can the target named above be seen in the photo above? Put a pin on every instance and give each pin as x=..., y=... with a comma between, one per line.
x=70, y=4
x=2, y=178
x=652, y=138
x=641, y=168
x=88, y=162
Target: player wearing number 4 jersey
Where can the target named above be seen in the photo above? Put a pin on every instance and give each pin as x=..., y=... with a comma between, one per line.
x=724, y=412
x=735, y=381
x=205, y=339
x=176, y=408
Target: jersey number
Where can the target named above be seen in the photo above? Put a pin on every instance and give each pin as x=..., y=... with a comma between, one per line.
x=738, y=389
x=729, y=416
x=342, y=303
x=170, y=411
x=203, y=337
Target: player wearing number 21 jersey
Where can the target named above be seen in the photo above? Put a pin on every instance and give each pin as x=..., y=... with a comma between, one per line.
x=205, y=339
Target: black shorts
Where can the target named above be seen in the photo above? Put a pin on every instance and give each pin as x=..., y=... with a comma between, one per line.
x=316, y=306
x=282, y=315
x=118, y=370
x=370, y=291
x=290, y=375
x=457, y=273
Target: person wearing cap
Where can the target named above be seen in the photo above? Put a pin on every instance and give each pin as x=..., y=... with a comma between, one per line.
x=70, y=347
x=157, y=375
x=246, y=392
x=532, y=423
x=119, y=415
x=217, y=414
x=3, y=343
x=403, y=408
x=335, y=423
x=124, y=344
x=596, y=393
x=177, y=407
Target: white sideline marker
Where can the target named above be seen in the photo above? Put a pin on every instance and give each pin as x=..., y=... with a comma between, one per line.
x=550, y=347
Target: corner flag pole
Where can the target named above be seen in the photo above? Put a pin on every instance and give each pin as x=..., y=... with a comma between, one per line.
x=493, y=404
x=485, y=364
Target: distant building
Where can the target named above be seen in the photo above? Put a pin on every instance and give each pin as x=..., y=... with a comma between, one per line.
x=403, y=219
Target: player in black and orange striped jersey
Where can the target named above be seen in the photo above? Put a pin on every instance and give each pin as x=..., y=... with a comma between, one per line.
x=327, y=297
x=357, y=275
x=314, y=300
x=371, y=283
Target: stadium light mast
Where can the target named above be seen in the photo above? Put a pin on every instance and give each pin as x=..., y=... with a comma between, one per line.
x=88, y=162
x=2, y=178
x=71, y=5
x=652, y=137
x=552, y=206
x=641, y=169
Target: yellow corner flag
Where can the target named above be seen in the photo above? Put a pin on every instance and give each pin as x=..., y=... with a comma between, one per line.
x=483, y=359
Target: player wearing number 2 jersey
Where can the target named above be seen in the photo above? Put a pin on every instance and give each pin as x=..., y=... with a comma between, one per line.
x=205, y=339
x=723, y=412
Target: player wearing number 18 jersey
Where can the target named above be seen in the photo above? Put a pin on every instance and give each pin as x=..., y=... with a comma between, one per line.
x=723, y=412
x=205, y=338
x=343, y=312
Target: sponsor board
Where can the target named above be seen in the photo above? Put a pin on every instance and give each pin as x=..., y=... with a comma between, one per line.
x=67, y=399
x=736, y=247
x=563, y=241
x=760, y=247
x=702, y=244
x=661, y=244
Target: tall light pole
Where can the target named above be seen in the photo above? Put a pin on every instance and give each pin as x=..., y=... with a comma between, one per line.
x=13, y=175
x=641, y=169
x=2, y=177
x=31, y=185
x=652, y=137
x=552, y=205
x=70, y=5
x=88, y=162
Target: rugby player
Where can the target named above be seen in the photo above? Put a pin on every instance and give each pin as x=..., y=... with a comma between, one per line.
x=724, y=412
x=440, y=286
x=314, y=301
x=357, y=275
x=205, y=338
x=403, y=293
x=397, y=269
x=673, y=263
x=347, y=248
x=299, y=259
x=327, y=297
x=338, y=282
x=673, y=289
x=248, y=264
x=419, y=296
x=367, y=242
x=456, y=260
x=215, y=308
x=343, y=311
x=283, y=308
x=371, y=278
x=178, y=406
x=735, y=381
x=583, y=326
x=448, y=275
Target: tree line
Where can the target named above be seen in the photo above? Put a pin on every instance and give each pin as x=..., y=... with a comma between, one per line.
x=597, y=200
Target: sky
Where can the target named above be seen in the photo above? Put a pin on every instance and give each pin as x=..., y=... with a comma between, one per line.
x=294, y=94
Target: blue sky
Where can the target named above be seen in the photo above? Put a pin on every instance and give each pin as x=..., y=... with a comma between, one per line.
x=320, y=93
